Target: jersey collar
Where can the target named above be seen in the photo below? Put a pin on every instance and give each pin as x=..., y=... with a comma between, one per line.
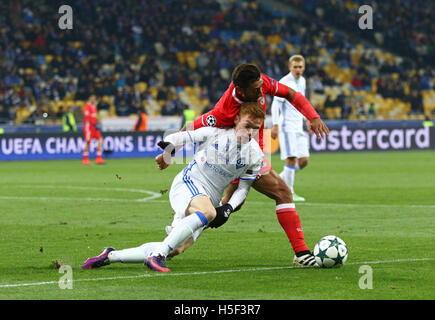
x=235, y=97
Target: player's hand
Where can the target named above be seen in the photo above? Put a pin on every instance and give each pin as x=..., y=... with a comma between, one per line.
x=274, y=131
x=163, y=160
x=222, y=215
x=309, y=129
x=319, y=128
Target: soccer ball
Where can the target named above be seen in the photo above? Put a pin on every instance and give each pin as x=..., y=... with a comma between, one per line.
x=330, y=251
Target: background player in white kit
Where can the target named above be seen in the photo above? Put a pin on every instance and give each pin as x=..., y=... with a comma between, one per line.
x=225, y=155
x=288, y=124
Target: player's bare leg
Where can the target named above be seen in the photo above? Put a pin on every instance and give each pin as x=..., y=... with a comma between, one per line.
x=198, y=214
x=275, y=188
x=99, y=159
x=86, y=154
x=303, y=162
x=180, y=249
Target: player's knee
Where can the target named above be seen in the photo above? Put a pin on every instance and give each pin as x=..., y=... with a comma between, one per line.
x=210, y=214
x=303, y=162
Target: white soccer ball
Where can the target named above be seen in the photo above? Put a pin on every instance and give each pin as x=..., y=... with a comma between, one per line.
x=330, y=251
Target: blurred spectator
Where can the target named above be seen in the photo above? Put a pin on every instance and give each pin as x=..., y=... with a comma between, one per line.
x=68, y=120
x=416, y=101
x=4, y=114
x=372, y=112
x=142, y=120
x=331, y=102
x=360, y=110
x=346, y=110
x=172, y=107
x=316, y=84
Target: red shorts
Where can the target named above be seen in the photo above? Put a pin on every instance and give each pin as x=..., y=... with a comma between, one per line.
x=265, y=168
x=92, y=133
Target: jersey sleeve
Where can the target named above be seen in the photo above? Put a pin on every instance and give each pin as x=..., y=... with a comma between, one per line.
x=274, y=88
x=240, y=194
x=182, y=137
x=213, y=118
x=270, y=85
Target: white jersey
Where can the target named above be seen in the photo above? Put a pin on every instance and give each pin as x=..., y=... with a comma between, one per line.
x=284, y=114
x=220, y=160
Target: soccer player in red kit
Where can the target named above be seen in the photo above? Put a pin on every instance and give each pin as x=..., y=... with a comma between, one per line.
x=90, y=130
x=248, y=84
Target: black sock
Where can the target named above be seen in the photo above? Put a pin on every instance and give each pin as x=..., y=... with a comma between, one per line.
x=301, y=253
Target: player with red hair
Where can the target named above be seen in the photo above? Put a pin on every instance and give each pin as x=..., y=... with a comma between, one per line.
x=249, y=84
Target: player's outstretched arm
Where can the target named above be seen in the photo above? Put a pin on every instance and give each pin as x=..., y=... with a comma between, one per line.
x=173, y=142
x=301, y=103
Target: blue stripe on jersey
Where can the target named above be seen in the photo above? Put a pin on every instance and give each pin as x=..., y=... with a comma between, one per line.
x=189, y=183
x=192, y=188
x=287, y=144
x=283, y=112
x=190, y=136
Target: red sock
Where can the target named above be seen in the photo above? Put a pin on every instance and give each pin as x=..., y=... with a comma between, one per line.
x=85, y=155
x=290, y=222
x=99, y=153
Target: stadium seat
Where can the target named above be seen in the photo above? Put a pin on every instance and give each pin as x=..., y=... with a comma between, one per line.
x=141, y=87
x=154, y=91
x=142, y=59
x=26, y=44
x=191, y=61
x=180, y=57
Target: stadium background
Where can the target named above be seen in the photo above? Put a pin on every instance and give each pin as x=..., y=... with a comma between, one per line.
x=170, y=55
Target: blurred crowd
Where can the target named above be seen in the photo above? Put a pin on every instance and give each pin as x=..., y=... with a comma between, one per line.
x=401, y=26
x=116, y=44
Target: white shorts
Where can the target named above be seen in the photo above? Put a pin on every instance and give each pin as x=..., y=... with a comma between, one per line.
x=183, y=190
x=293, y=144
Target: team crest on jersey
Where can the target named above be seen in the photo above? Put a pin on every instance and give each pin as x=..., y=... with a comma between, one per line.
x=210, y=121
x=240, y=163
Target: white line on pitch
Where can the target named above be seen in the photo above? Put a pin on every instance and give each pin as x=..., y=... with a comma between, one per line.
x=153, y=198
x=153, y=275
x=152, y=194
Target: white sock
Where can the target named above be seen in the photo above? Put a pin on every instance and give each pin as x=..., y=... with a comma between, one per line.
x=297, y=167
x=288, y=175
x=180, y=233
x=133, y=255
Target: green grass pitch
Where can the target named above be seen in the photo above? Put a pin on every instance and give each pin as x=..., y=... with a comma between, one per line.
x=381, y=204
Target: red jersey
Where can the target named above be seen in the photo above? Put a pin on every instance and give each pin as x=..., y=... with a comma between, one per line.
x=90, y=116
x=228, y=107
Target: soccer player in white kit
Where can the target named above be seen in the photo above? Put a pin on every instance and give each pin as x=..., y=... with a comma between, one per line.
x=288, y=124
x=225, y=155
